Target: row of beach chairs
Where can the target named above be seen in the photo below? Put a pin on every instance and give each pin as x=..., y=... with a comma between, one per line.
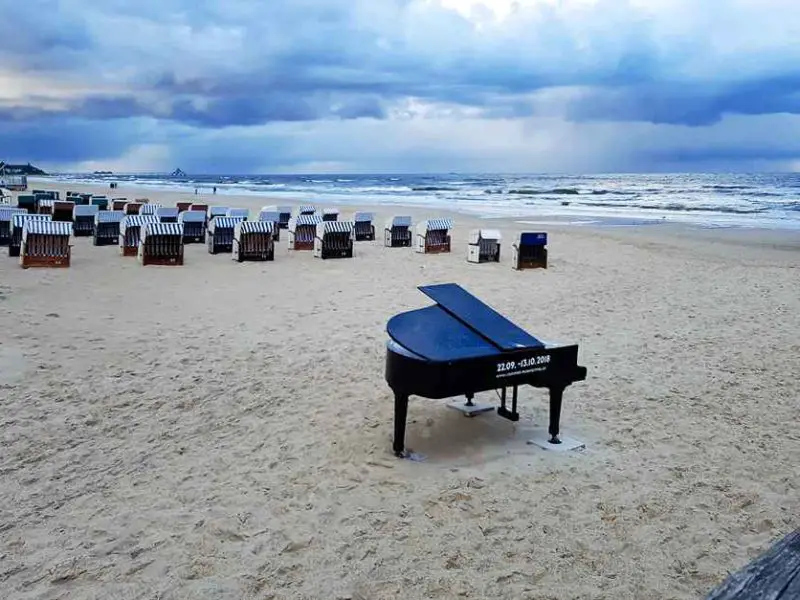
x=219, y=227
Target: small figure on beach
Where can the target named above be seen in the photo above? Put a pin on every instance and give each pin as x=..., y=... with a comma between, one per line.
x=215, y=189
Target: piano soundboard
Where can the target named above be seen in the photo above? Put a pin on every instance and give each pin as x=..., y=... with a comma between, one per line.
x=460, y=346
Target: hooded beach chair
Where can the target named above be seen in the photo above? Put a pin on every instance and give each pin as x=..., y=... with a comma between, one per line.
x=167, y=214
x=149, y=209
x=530, y=251
x=161, y=244
x=101, y=202
x=63, y=210
x=397, y=233
x=285, y=213
x=133, y=208
x=433, y=236
x=27, y=202
x=307, y=210
x=252, y=240
x=334, y=239
x=106, y=227
x=130, y=229
x=484, y=246
x=330, y=214
x=302, y=230
x=18, y=221
x=219, y=234
x=363, y=229
x=45, y=244
x=6, y=213
x=194, y=226
x=244, y=213
x=83, y=219
x=45, y=206
x=271, y=214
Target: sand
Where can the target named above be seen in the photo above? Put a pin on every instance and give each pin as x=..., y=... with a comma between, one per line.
x=223, y=430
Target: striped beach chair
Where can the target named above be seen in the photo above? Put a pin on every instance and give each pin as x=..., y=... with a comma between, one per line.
x=27, y=202
x=194, y=226
x=83, y=219
x=45, y=206
x=45, y=244
x=363, y=230
x=219, y=234
x=167, y=214
x=302, y=230
x=285, y=213
x=148, y=209
x=529, y=251
x=6, y=212
x=334, y=239
x=161, y=244
x=101, y=202
x=252, y=240
x=106, y=227
x=330, y=214
x=433, y=236
x=484, y=246
x=216, y=211
x=397, y=233
x=133, y=208
x=271, y=214
x=130, y=229
x=63, y=210
x=307, y=210
x=18, y=221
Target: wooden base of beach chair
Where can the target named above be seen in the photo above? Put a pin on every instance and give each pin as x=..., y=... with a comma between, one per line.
x=363, y=234
x=219, y=248
x=304, y=245
x=538, y=261
x=336, y=253
x=129, y=251
x=438, y=248
x=13, y=251
x=105, y=241
x=58, y=262
x=532, y=264
x=172, y=261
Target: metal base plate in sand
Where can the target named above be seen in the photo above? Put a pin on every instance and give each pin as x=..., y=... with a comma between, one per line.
x=470, y=410
x=540, y=439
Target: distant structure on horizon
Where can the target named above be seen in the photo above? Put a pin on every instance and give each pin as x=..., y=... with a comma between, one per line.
x=177, y=173
x=15, y=177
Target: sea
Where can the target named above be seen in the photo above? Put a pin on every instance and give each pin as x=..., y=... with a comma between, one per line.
x=706, y=200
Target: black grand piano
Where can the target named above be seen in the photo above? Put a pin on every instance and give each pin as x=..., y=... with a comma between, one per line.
x=461, y=346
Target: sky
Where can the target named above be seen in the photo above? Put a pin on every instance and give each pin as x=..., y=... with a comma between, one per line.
x=393, y=86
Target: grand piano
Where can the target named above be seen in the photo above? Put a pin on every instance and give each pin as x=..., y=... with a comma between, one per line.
x=461, y=346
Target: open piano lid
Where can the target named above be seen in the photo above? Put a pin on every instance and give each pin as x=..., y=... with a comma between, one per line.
x=459, y=326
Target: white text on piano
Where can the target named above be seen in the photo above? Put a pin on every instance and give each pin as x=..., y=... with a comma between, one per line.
x=525, y=363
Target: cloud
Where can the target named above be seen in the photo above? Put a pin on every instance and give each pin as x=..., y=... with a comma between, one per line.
x=187, y=69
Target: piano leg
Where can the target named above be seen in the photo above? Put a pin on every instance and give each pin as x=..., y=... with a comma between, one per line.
x=511, y=415
x=556, y=395
x=400, y=414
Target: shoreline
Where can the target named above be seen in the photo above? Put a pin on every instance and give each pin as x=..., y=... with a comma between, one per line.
x=579, y=218
x=654, y=231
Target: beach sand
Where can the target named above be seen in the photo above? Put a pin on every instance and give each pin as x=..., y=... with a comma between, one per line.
x=223, y=430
